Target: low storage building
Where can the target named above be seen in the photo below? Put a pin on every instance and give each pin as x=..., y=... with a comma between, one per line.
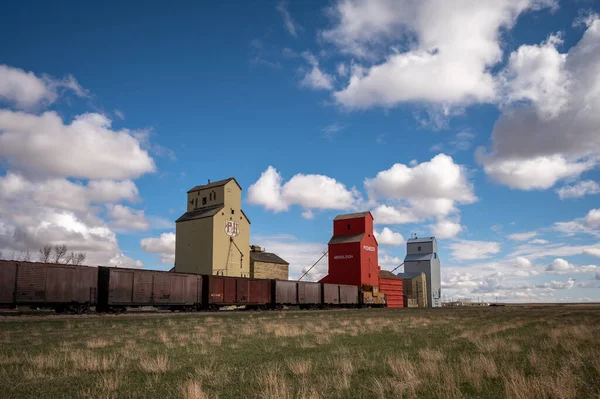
x=415, y=289
x=393, y=288
x=267, y=265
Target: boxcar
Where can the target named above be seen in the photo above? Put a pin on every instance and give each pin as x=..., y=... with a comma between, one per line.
x=43, y=285
x=348, y=294
x=285, y=292
x=121, y=287
x=238, y=291
x=331, y=294
x=309, y=294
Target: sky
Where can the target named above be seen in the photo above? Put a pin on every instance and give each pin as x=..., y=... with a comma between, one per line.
x=474, y=122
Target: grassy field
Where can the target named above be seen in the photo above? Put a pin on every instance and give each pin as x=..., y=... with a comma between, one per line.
x=538, y=352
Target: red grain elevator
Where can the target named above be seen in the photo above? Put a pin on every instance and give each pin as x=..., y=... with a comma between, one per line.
x=353, y=253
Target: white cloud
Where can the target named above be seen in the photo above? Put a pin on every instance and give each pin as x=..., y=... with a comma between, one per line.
x=290, y=26
x=522, y=262
x=315, y=78
x=384, y=214
x=598, y=275
x=537, y=74
x=590, y=224
x=557, y=250
x=342, y=70
x=471, y=250
x=441, y=51
x=26, y=90
x=592, y=219
x=87, y=148
x=561, y=266
x=267, y=191
x=553, y=135
x=580, y=189
x=419, y=191
x=446, y=229
x=308, y=191
x=536, y=173
x=587, y=284
x=122, y=260
x=124, y=219
x=163, y=245
x=523, y=236
x=558, y=285
x=389, y=237
x=439, y=178
x=592, y=252
x=539, y=241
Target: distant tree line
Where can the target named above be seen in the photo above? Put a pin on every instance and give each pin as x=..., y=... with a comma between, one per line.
x=49, y=254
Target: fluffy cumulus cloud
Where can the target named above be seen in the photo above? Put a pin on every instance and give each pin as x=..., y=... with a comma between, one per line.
x=26, y=90
x=441, y=51
x=60, y=176
x=388, y=237
x=123, y=218
x=446, y=229
x=558, y=285
x=522, y=262
x=164, y=246
x=552, y=132
x=418, y=191
x=94, y=150
x=471, y=250
x=307, y=191
x=523, y=236
x=578, y=190
x=561, y=266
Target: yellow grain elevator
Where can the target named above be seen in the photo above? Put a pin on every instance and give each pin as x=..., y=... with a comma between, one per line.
x=213, y=236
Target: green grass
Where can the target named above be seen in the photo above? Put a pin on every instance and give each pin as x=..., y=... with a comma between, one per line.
x=514, y=352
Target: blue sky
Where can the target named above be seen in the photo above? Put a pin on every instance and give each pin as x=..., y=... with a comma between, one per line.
x=467, y=121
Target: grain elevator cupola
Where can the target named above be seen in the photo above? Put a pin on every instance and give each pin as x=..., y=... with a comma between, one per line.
x=213, y=236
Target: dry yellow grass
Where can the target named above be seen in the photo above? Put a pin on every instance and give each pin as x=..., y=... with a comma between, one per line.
x=193, y=390
x=97, y=343
x=155, y=364
x=300, y=367
x=529, y=353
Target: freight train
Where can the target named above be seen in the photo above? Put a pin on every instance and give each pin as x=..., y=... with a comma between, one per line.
x=81, y=289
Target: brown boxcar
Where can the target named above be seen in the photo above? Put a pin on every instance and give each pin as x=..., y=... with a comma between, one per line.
x=239, y=291
x=286, y=292
x=119, y=287
x=348, y=294
x=331, y=294
x=309, y=293
x=48, y=285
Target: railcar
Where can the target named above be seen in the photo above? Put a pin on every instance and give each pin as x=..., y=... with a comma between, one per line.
x=111, y=289
x=50, y=286
x=120, y=288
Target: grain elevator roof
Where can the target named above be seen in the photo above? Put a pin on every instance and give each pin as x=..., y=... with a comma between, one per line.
x=215, y=184
x=200, y=213
x=267, y=257
x=352, y=215
x=346, y=238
